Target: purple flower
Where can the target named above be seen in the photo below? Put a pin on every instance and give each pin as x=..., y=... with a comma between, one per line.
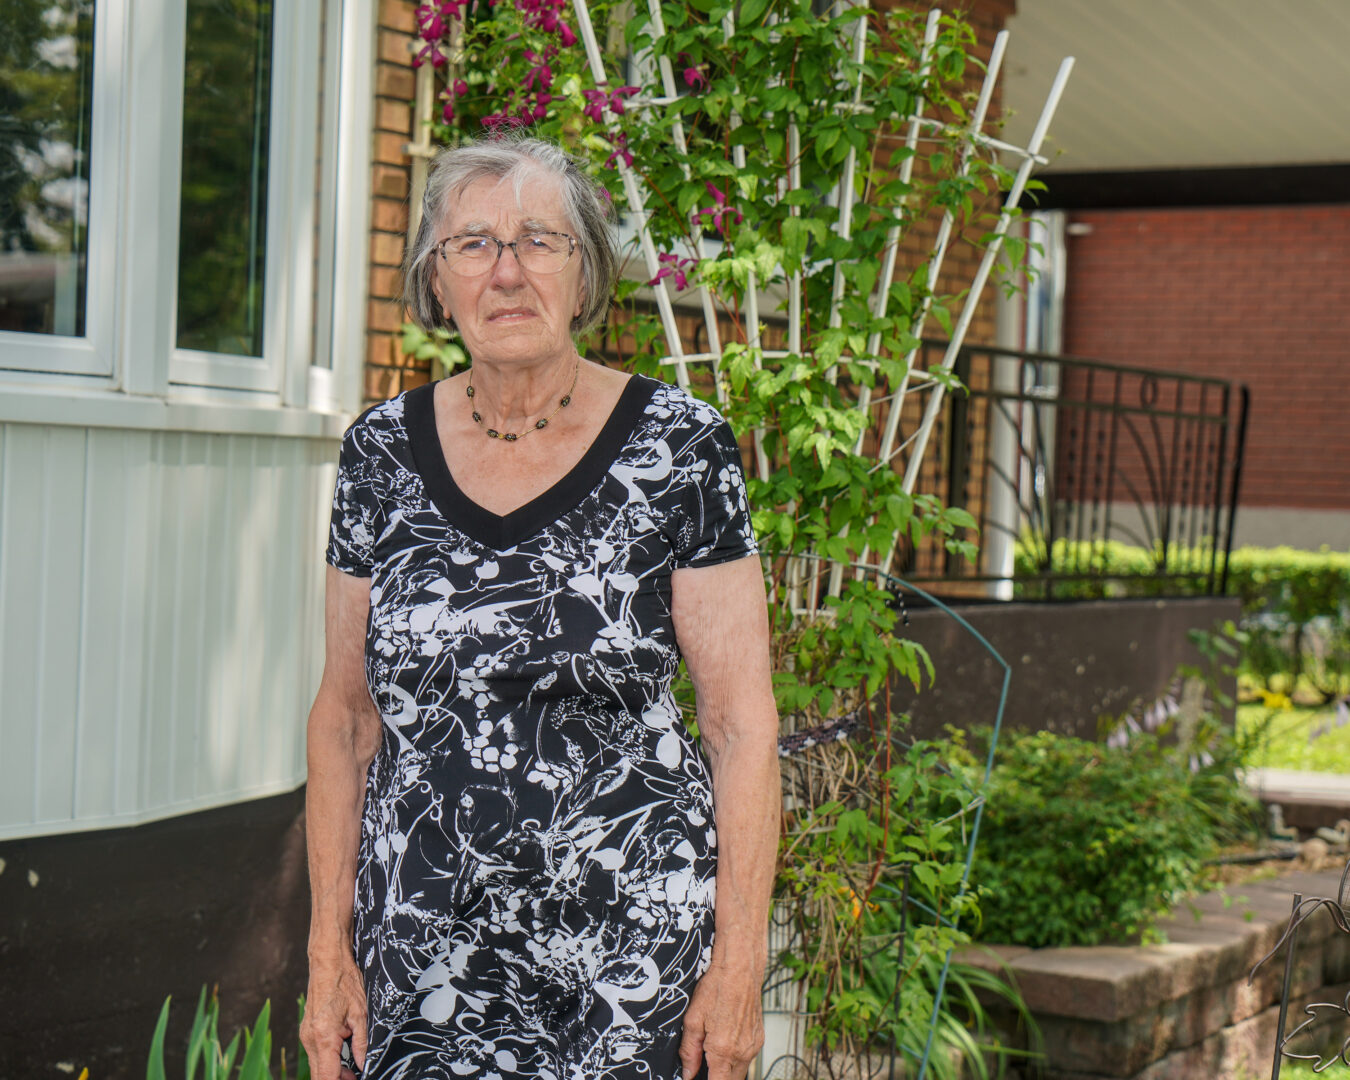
x=620, y=144
x=566, y=36
x=431, y=51
x=597, y=101
x=461, y=88
x=433, y=19
x=448, y=112
x=595, y=105
x=502, y=123
x=693, y=77
x=673, y=266
x=721, y=211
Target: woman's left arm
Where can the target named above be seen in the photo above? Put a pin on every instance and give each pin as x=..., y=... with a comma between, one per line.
x=721, y=623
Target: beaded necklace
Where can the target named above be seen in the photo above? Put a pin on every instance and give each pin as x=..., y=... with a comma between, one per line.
x=507, y=436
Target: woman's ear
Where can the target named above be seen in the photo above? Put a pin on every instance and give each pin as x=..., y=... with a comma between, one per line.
x=439, y=293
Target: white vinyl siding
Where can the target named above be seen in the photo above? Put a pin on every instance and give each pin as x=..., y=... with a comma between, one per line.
x=161, y=598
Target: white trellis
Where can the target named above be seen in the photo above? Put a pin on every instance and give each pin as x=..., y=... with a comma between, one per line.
x=891, y=446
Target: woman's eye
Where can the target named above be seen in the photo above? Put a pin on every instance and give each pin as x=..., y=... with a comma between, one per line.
x=540, y=243
x=472, y=245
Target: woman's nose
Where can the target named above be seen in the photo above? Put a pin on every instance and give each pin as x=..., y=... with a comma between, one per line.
x=506, y=271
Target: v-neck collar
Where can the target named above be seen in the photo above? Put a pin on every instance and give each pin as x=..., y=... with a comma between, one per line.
x=503, y=531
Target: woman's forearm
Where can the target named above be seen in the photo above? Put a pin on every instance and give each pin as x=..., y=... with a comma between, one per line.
x=746, y=800
x=339, y=751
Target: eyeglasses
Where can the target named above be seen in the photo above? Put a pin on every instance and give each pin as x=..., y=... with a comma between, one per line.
x=474, y=254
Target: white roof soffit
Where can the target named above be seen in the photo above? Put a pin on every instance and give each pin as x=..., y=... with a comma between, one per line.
x=1183, y=84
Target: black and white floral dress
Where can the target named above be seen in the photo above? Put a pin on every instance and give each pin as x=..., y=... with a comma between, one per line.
x=534, y=890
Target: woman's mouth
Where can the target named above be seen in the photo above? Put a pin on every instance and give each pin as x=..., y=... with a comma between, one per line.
x=510, y=315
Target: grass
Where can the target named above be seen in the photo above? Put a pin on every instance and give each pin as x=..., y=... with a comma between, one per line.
x=1283, y=736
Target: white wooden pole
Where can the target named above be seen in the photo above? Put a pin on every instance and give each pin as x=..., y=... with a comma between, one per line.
x=697, y=246
x=637, y=205
x=981, y=277
x=882, y=301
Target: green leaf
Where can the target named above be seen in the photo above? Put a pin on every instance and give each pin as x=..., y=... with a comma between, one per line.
x=197, y=1035
x=154, y=1069
x=258, y=1048
x=751, y=12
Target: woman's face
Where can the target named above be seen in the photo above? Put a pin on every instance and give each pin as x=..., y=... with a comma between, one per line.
x=510, y=315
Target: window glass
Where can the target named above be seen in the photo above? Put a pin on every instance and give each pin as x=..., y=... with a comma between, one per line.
x=227, y=96
x=46, y=81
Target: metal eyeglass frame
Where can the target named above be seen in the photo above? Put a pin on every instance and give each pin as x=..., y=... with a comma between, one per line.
x=502, y=245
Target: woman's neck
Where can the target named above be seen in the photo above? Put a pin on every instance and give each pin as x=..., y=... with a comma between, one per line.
x=512, y=397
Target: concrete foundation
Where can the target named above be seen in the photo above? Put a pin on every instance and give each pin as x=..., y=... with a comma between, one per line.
x=97, y=928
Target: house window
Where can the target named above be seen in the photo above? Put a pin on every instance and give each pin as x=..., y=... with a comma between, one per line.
x=170, y=221
x=46, y=108
x=223, y=209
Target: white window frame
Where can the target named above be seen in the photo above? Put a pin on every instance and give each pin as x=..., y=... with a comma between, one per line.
x=292, y=144
x=127, y=368
x=92, y=354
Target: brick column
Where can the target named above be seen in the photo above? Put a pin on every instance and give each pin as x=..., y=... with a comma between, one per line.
x=387, y=372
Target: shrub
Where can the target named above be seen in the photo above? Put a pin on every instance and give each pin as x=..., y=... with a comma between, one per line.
x=1084, y=843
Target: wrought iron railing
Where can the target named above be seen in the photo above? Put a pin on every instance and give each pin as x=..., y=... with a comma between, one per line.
x=1063, y=460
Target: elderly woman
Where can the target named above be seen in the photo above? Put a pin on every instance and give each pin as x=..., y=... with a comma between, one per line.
x=550, y=879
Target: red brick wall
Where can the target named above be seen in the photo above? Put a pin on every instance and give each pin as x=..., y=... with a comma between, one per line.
x=387, y=371
x=1260, y=295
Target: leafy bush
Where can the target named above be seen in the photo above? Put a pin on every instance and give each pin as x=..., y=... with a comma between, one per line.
x=871, y=838
x=217, y=1062
x=1084, y=843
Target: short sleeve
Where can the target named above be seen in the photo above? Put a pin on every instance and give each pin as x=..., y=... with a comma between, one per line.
x=716, y=526
x=351, y=529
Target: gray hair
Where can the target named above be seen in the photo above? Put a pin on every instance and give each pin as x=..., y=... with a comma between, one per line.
x=588, y=209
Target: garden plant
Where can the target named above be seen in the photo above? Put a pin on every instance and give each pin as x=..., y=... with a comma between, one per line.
x=766, y=144
x=222, y=1060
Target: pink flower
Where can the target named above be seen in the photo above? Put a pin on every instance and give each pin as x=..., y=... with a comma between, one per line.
x=598, y=101
x=500, y=123
x=620, y=144
x=461, y=88
x=693, y=77
x=431, y=51
x=673, y=266
x=566, y=36
x=448, y=112
x=594, y=105
x=721, y=211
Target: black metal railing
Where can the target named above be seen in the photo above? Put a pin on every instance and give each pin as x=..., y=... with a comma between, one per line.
x=1067, y=463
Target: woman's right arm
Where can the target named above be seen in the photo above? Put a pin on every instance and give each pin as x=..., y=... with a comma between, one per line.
x=343, y=736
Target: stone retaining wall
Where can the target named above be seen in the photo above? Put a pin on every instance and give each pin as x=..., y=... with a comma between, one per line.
x=1183, y=1009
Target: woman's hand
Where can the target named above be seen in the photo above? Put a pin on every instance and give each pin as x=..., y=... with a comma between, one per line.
x=335, y=1010
x=724, y=1024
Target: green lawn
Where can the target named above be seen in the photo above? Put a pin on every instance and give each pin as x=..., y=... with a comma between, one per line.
x=1282, y=738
